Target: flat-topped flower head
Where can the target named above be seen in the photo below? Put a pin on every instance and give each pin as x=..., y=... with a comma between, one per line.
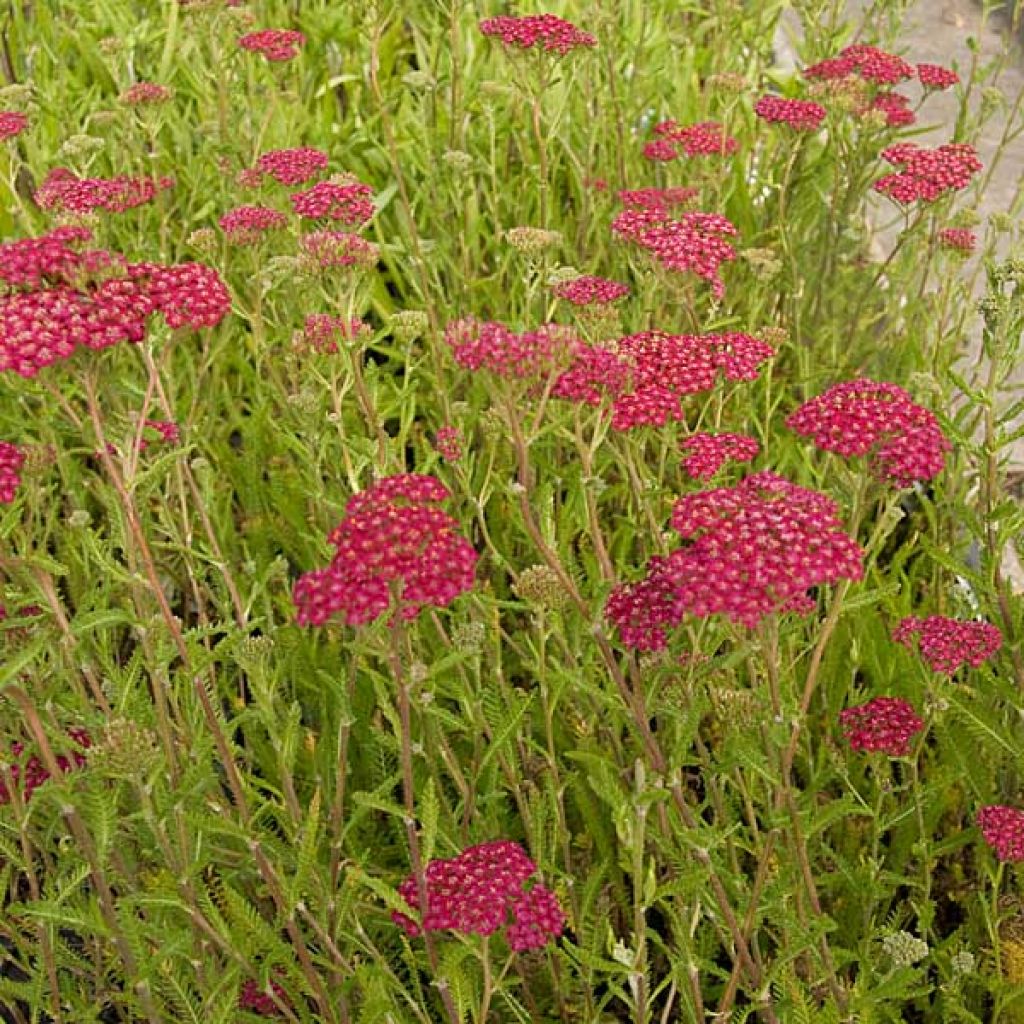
x=926, y=175
x=752, y=550
x=275, y=44
x=800, y=115
x=707, y=453
x=475, y=892
x=29, y=773
x=588, y=290
x=65, y=191
x=292, y=166
x=862, y=417
x=958, y=240
x=894, y=106
x=658, y=198
x=542, y=31
x=247, y=225
x=1003, y=829
x=526, y=355
x=12, y=459
x=865, y=62
x=394, y=543
x=706, y=138
x=337, y=250
x=935, y=76
x=12, y=124
x=883, y=725
x=146, y=94
x=348, y=203
x=948, y=644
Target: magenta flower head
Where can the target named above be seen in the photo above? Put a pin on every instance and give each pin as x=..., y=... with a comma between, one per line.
x=927, y=174
x=247, y=225
x=526, y=355
x=958, y=240
x=12, y=124
x=885, y=725
x=348, y=203
x=707, y=453
x=753, y=550
x=64, y=191
x=864, y=417
x=475, y=893
x=292, y=166
x=322, y=251
x=800, y=115
x=865, y=62
x=706, y=138
x=276, y=44
x=590, y=291
x=28, y=774
x=12, y=459
x=394, y=542
x=947, y=644
x=544, y=31
x=146, y=94
x=935, y=76
x=1003, y=829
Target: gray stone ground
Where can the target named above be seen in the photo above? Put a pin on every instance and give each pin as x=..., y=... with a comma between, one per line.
x=938, y=31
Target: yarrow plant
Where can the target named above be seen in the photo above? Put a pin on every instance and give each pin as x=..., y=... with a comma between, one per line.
x=545, y=32
x=63, y=190
x=706, y=138
x=276, y=44
x=292, y=166
x=800, y=115
x=12, y=459
x=707, y=453
x=948, y=644
x=883, y=725
x=12, y=124
x=24, y=775
x=926, y=175
x=1003, y=829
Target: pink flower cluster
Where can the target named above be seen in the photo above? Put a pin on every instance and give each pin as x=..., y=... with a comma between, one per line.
x=63, y=298
x=323, y=332
x=552, y=34
x=246, y=225
x=753, y=550
x=896, y=108
x=168, y=430
x=146, y=94
x=800, y=115
x=475, y=892
x=28, y=775
x=859, y=417
x=253, y=998
x=884, y=725
x=692, y=242
x=492, y=346
x=448, y=444
x=947, y=644
x=934, y=76
x=865, y=62
x=927, y=174
x=348, y=203
x=276, y=44
x=709, y=452
x=12, y=124
x=958, y=239
x=12, y=459
x=393, y=541
x=332, y=250
x=65, y=191
x=663, y=199
x=706, y=138
x=292, y=166
x=1003, y=829
x=590, y=291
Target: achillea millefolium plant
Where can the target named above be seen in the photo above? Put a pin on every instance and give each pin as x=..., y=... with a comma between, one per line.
x=499, y=519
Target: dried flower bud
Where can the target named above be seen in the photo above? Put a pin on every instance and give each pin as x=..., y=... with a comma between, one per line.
x=962, y=963
x=204, y=239
x=469, y=636
x=419, y=80
x=904, y=949
x=80, y=145
x=531, y=241
x=125, y=749
x=458, y=160
x=409, y=324
x=776, y=337
x=540, y=585
x=728, y=83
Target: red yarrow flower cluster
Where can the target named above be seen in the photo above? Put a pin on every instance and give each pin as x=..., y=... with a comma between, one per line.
x=663, y=199
x=246, y=225
x=865, y=62
x=861, y=417
x=706, y=138
x=12, y=459
x=12, y=124
x=884, y=725
x=1003, y=829
x=528, y=355
x=276, y=44
x=475, y=892
x=257, y=1000
x=146, y=94
x=348, y=203
x=800, y=115
x=590, y=291
x=328, y=334
x=958, y=239
x=927, y=174
x=168, y=431
x=709, y=452
x=947, y=644
x=65, y=191
x=394, y=542
x=935, y=76
x=753, y=550
x=896, y=108
x=553, y=35
x=28, y=774
x=292, y=166
x=448, y=444
x=692, y=242
x=333, y=250
x=63, y=298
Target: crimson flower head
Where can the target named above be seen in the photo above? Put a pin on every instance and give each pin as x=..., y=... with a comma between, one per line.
x=246, y=225
x=947, y=644
x=935, y=76
x=959, y=240
x=292, y=166
x=861, y=417
x=752, y=550
x=475, y=893
x=1003, y=829
x=865, y=62
x=28, y=774
x=514, y=355
x=12, y=124
x=348, y=203
x=393, y=541
x=691, y=242
x=658, y=198
x=12, y=459
x=927, y=174
x=545, y=31
x=146, y=94
x=896, y=108
x=884, y=724
x=800, y=115
x=590, y=291
x=253, y=998
x=337, y=250
x=276, y=44
x=709, y=452
x=706, y=138
x=63, y=190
